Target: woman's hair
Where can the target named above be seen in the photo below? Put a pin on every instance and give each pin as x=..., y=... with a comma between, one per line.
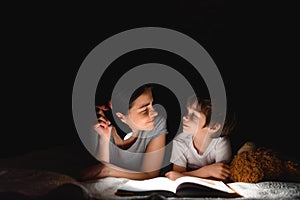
x=120, y=104
x=205, y=106
x=138, y=92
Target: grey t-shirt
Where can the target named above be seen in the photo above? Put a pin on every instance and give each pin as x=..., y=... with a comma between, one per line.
x=132, y=158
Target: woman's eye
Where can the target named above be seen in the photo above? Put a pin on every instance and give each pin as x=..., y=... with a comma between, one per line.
x=144, y=111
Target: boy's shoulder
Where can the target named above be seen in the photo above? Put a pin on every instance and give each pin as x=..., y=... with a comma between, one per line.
x=183, y=138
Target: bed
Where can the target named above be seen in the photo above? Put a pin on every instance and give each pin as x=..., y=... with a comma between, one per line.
x=53, y=174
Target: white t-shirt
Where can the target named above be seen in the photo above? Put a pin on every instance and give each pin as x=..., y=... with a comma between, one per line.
x=184, y=153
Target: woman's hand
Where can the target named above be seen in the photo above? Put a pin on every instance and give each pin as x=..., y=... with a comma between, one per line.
x=173, y=175
x=103, y=128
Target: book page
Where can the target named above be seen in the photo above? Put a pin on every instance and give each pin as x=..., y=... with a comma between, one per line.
x=158, y=183
x=218, y=185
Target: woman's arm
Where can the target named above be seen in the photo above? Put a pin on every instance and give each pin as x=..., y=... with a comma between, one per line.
x=102, y=150
x=176, y=173
x=150, y=167
x=152, y=162
x=104, y=130
x=154, y=156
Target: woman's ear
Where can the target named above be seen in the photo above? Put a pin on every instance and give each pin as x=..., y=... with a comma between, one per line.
x=121, y=117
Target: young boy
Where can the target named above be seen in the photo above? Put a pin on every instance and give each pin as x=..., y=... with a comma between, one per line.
x=203, y=149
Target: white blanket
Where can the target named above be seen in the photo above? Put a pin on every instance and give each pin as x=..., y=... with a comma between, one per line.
x=105, y=189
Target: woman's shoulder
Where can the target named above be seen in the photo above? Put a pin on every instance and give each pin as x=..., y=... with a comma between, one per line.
x=159, y=119
x=160, y=124
x=160, y=127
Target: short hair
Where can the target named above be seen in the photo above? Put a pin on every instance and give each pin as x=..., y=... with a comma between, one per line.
x=204, y=105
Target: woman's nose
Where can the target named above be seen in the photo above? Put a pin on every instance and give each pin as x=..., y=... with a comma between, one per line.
x=152, y=112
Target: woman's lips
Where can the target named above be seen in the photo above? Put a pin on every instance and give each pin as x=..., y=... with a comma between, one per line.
x=151, y=121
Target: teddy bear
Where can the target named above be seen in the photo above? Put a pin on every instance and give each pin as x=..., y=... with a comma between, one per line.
x=254, y=164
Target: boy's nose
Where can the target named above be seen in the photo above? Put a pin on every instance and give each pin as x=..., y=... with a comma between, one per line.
x=185, y=117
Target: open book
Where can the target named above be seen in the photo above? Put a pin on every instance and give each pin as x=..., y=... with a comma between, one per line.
x=185, y=186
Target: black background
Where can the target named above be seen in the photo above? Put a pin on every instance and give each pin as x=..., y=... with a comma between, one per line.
x=254, y=46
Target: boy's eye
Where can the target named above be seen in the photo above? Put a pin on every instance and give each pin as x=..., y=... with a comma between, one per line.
x=194, y=116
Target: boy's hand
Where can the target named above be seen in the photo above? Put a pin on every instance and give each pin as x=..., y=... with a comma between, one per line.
x=219, y=170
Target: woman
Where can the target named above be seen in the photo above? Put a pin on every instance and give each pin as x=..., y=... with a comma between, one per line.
x=140, y=154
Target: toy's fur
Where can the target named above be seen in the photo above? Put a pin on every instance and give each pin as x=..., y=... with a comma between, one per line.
x=254, y=164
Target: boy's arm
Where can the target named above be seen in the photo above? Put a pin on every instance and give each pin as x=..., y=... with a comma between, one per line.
x=219, y=170
x=178, y=168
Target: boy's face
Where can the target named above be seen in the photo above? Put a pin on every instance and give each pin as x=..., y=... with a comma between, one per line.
x=194, y=120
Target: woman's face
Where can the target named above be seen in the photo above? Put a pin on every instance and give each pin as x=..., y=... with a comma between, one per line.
x=194, y=120
x=141, y=115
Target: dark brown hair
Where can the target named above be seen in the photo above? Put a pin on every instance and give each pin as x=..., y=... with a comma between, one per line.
x=204, y=105
x=138, y=92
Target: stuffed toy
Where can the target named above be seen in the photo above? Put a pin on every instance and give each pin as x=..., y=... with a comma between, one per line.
x=253, y=164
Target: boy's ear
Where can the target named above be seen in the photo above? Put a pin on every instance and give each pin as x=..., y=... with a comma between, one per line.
x=121, y=117
x=215, y=128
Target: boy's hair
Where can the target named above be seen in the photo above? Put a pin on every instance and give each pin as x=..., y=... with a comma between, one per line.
x=204, y=105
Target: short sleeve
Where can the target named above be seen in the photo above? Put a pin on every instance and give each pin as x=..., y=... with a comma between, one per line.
x=160, y=127
x=178, y=156
x=223, y=150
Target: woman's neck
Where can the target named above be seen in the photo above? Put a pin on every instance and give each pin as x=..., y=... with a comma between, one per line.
x=126, y=144
x=135, y=133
